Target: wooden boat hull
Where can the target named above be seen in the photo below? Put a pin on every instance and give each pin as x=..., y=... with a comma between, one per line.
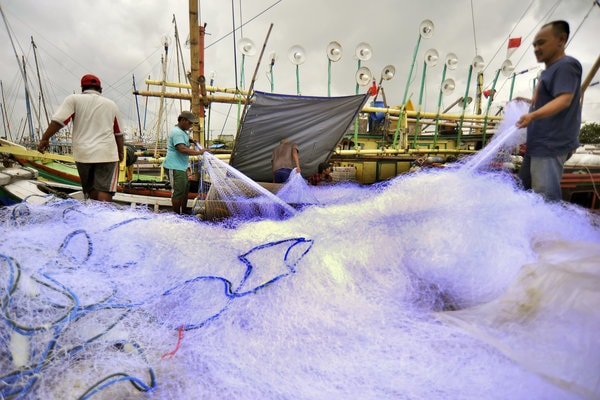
x=24, y=190
x=149, y=191
x=38, y=192
x=10, y=177
x=582, y=188
x=579, y=185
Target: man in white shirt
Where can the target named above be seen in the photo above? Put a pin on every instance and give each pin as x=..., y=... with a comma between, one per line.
x=97, y=138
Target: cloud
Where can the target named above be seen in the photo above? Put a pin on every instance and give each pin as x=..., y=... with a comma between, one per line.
x=118, y=40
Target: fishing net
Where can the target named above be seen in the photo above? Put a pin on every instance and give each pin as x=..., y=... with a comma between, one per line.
x=498, y=152
x=297, y=191
x=339, y=301
x=231, y=194
x=526, y=315
x=87, y=312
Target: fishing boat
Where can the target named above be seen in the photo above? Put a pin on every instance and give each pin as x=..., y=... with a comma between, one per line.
x=106, y=321
x=383, y=140
x=580, y=183
x=372, y=141
x=57, y=174
x=13, y=178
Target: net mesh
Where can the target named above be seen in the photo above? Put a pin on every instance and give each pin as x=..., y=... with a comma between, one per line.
x=344, y=300
x=231, y=194
x=503, y=143
x=526, y=314
x=297, y=191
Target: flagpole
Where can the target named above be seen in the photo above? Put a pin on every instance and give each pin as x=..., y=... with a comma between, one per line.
x=489, y=104
x=513, y=44
x=439, y=108
x=512, y=87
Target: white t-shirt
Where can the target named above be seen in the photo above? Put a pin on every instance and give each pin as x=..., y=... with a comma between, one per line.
x=96, y=119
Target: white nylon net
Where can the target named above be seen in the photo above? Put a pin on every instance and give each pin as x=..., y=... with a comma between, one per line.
x=341, y=301
x=231, y=194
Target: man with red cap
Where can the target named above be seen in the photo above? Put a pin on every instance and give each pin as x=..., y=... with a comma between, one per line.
x=97, y=138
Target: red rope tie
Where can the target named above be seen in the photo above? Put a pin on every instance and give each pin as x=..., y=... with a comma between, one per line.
x=180, y=337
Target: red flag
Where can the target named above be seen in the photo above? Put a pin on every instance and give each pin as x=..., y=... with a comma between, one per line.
x=488, y=92
x=513, y=43
x=373, y=89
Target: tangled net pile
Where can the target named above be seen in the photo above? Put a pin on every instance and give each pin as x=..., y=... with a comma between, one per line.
x=233, y=194
x=78, y=315
x=436, y=285
x=504, y=141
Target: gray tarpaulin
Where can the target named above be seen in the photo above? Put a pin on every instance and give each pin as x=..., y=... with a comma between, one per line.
x=316, y=124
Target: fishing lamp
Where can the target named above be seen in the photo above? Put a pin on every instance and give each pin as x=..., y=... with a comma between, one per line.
x=247, y=48
x=430, y=60
x=363, y=76
x=297, y=56
x=507, y=70
x=334, y=53
x=446, y=87
x=425, y=32
x=476, y=65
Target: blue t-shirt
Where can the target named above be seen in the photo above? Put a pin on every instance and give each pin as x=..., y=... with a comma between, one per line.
x=557, y=134
x=174, y=158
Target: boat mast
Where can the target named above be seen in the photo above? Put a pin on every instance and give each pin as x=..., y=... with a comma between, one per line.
x=197, y=69
x=180, y=60
x=137, y=107
x=37, y=68
x=249, y=94
x=5, y=121
x=479, y=93
x=177, y=48
x=146, y=105
x=162, y=96
x=28, y=105
x=21, y=70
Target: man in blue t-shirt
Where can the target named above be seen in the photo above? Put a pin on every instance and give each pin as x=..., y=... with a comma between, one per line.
x=177, y=159
x=554, y=119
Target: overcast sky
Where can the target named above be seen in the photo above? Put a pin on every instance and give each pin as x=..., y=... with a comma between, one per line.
x=119, y=39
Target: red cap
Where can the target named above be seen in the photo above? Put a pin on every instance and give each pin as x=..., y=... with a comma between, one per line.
x=90, y=80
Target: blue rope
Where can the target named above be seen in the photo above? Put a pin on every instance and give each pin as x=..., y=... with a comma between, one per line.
x=71, y=235
x=21, y=382
x=128, y=221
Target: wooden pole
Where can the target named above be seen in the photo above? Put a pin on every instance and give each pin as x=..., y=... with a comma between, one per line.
x=250, y=89
x=202, y=86
x=589, y=77
x=195, y=66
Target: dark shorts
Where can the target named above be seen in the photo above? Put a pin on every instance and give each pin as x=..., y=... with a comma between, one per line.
x=180, y=184
x=282, y=175
x=102, y=177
